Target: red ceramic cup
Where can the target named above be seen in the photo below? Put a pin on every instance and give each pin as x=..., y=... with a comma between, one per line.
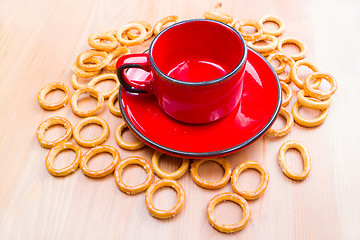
x=196, y=70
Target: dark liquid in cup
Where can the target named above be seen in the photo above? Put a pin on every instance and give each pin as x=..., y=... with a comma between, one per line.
x=195, y=70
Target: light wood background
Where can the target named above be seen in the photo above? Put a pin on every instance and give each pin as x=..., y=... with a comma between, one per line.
x=39, y=40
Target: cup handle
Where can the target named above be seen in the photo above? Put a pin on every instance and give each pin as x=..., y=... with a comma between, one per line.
x=137, y=60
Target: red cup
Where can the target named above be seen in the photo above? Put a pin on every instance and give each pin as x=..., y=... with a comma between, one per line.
x=195, y=70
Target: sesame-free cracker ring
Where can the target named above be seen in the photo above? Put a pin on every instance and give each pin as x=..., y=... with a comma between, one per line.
x=275, y=19
x=173, y=175
x=219, y=16
x=125, y=145
x=78, y=72
x=250, y=195
x=93, y=91
x=265, y=48
x=111, y=104
x=286, y=100
x=293, y=40
x=113, y=56
x=311, y=103
x=130, y=161
x=147, y=26
x=103, y=77
x=228, y=228
x=109, y=44
x=50, y=87
x=49, y=162
x=249, y=22
x=305, y=155
x=131, y=42
x=206, y=184
x=82, y=63
x=308, y=122
x=94, y=142
x=162, y=214
x=160, y=24
x=316, y=93
x=286, y=129
x=294, y=77
x=51, y=122
x=283, y=58
x=92, y=152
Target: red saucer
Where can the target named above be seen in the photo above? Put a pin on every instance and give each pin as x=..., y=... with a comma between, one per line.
x=257, y=111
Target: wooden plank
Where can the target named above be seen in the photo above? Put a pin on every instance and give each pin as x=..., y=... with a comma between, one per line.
x=39, y=42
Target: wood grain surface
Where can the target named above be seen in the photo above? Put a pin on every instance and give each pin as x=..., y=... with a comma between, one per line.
x=39, y=41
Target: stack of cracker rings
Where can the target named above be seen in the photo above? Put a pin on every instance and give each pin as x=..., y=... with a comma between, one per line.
x=309, y=95
x=98, y=64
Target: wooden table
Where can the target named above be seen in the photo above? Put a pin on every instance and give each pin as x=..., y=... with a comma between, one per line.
x=39, y=42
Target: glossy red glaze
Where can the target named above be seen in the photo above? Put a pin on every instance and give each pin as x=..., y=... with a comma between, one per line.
x=144, y=74
x=197, y=70
x=251, y=118
x=199, y=104
x=205, y=81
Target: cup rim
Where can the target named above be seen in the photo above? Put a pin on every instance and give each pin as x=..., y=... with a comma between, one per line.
x=217, y=80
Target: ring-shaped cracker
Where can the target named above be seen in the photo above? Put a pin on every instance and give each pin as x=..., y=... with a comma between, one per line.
x=74, y=82
x=308, y=122
x=294, y=77
x=292, y=40
x=173, y=175
x=112, y=33
x=81, y=73
x=147, y=26
x=95, y=142
x=286, y=100
x=113, y=56
x=111, y=104
x=50, y=87
x=316, y=93
x=305, y=156
x=265, y=48
x=228, y=228
x=219, y=16
x=49, y=162
x=103, y=77
x=109, y=44
x=278, y=56
x=92, y=152
x=266, y=54
x=93, y=91
x=83, y=64
x=163, y=214
x=206, y=184
x=125, y=145
x=250, y=195
x=40, y=134
x=286, y=129
x=276, y=20
x=131, y=161
x=129, y=42
x=159, y=25
x=78, y=72
x=249, y=22
x=309, y=103
x=283, y=58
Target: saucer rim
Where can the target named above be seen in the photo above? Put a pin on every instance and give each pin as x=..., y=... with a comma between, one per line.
x=221, y=152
